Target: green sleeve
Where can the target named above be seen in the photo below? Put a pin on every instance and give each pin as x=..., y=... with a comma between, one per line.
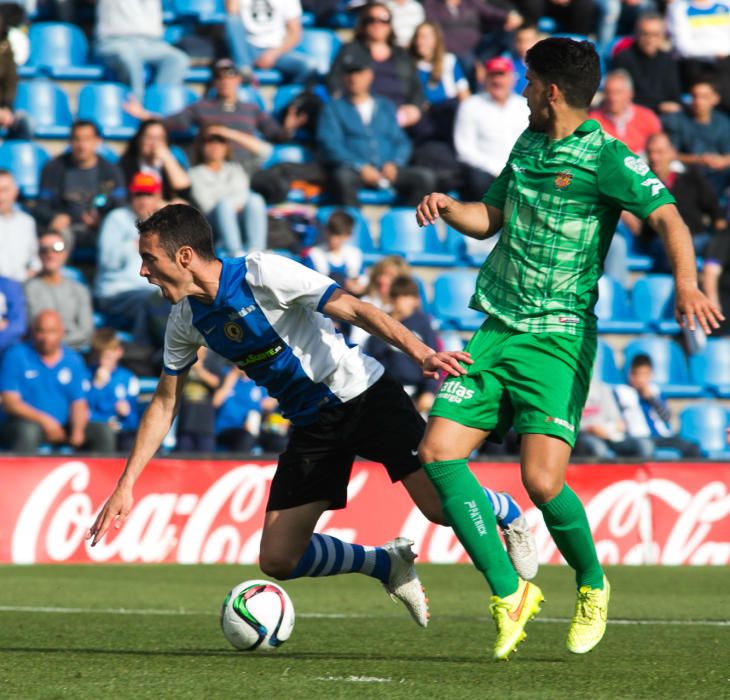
x=497, y=192
x=626, y=180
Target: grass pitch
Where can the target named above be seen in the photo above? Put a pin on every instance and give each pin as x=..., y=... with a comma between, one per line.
x=152, y=632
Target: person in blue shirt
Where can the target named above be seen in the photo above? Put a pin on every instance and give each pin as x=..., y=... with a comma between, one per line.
x=271, y=317
x=43, y=385
x=113, y=395
x=362, y=144
x=13, y=319
x=239, y=404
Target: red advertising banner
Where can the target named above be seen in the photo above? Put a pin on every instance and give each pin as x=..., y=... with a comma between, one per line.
x=212, y=511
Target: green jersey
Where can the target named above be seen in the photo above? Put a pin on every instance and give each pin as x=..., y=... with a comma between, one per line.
x=561, y=202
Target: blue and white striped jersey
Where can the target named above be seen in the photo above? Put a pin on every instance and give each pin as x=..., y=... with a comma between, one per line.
x=265, y=318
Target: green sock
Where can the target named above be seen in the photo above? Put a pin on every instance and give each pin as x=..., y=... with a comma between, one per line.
x=566, y=520
x=470, y=514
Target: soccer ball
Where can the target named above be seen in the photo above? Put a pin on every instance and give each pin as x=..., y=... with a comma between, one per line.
x=257, y=615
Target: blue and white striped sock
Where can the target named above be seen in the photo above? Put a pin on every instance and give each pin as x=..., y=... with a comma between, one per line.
x=328, y=556
x=505, y=509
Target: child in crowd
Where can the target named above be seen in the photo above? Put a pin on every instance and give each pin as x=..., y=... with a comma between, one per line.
x=238, y=403
x=114, y=390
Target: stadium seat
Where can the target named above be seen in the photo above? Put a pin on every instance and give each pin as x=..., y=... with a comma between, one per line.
x=376, y=198
x=61, y=51
x=670, y=367
x=711, y=367
x=25, y=160
x=705, y=425
x=268, y=76
x=400, y=234
x=361, y=236
x=288, y=153
x=323, y=44
x=248, y=93
x=605, y=365
x=201, y=11
x=103, y=103
x=451, y=294
x=653, y=297
x=168, y=99
x=615, y=315
x=73, y=273
x=47, y=106
x=455, y=243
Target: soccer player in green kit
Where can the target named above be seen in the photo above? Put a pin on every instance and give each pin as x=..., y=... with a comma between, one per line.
x=557, y=203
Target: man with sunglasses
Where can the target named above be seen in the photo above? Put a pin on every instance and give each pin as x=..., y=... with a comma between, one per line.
x=52, y=289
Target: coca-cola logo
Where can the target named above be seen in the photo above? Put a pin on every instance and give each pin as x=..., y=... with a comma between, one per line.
x=653, y=520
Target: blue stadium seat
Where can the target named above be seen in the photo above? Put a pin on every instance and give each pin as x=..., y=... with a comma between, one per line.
x=705, y=424
x=25, y=160
x=73, y=273
x=711, y=367
x=670, y=367
x=47, y=106
x=323, y=44
x=455, y=243
x=61, y=51
x=288, y=153
x=615, y=315
x=400, y=234
x=451, y=294
x=248, y=93
x=605, y=366
x=361, y=236
x=168, y=99
x=102, y=103
x=202, y=11
x=268, y=76
x=636, y=261
x=653, y=297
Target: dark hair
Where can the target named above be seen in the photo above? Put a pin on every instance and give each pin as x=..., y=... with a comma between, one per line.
x=4, y=171
x=639, y=361
x=706, y=78
x=359, y=32
x=130, y=157
x=200, y=139
x=572, y=65
x=340, y=223
x=104, y=339
x=404, y=286
x=81, y=123
x=179, y=225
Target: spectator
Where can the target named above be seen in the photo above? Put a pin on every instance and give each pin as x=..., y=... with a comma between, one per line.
x=16, y=124
x=243, y=120
x=646, y=414
x=196, y=419
x=700, y=31
x=406, y=308
x=79, y=187
x=394, y=74
x=405, y=16
x=696, y=200
x=602, y=431
x=487, y=126
x=13, y=318
x=52, y=289
x=239, y=404
x=266, y=35
x=221, y=189
x=148, y=336
x=337, y=257
x=571, y=16
x=620, y=117
x=129, y=39
x=18, y=240
x=361, y=141
x=715, y=278
x=377, y=292
x=702, y=136
x=44, y=386
x=275, y=429
x=462, y=22
x=148, y=151
x=523, y=39
x=119, y=289
x=619, y=16
x=654, y=71
x=114, y=390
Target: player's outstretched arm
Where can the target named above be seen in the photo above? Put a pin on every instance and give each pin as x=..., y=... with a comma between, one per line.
x=473, y=219
x=153, y=427
x=690, y=303
x=350, y=309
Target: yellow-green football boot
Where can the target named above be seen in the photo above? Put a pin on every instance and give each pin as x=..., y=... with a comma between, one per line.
x=511, y=614
x=589, y=621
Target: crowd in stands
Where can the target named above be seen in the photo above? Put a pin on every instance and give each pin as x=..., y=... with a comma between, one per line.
x=406, y=97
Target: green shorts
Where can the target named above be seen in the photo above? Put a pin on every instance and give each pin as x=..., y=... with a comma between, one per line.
x=536, y=382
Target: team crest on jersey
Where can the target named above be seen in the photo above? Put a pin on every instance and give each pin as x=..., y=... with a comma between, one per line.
x=563, y=179
x=233, y=332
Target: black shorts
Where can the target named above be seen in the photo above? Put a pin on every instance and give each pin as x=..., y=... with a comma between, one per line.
x=381, y=425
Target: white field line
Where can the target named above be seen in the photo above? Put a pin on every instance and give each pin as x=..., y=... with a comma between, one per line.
x=334, y=616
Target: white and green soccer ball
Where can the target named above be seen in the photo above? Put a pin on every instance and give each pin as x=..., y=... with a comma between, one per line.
x=257, y=615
